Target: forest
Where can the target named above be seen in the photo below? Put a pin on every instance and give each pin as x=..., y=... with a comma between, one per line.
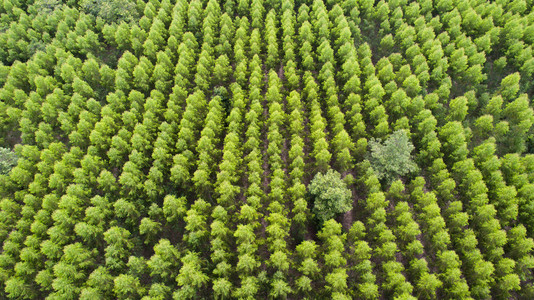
x=266, y=149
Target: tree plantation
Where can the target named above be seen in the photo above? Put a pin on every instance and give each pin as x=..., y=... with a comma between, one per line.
x=266, y=149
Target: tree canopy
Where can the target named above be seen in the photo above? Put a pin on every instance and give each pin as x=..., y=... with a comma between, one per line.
x=330, y=195
x=255, y=149
x=8, y=160
x=391, y=159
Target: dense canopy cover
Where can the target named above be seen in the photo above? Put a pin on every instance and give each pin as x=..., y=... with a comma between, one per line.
x=164, y=149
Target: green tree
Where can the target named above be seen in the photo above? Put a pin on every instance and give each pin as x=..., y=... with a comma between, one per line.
x=331, y=195
x=190, y=279
x=392, y=158
x=510, y=86
x=119, y=244
x=163, y=265
x=280, y=288
x=427, y=285
x=126, y=287
x=222, y=288
x=521, y=117
x=458, y=109
x=8, y=159
x=111, y=11
x=99, y=284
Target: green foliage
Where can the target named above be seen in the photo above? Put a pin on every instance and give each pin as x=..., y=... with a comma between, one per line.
x=331, y=195
x=167, y=149
x=392, y=158
x=111, y=11
x=46, y=6
x=8, y=160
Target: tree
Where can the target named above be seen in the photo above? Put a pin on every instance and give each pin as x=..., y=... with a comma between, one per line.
x=8, y=159
x=331, y=195
x=248, y=289
x=118, y=248
x=191, y=278
x=126, y=286
x=150, y=229
x=427, y=285
x=411, y=85
x=280, y=289
x=368, y=290
x=521, y=117
x=100, y=284
x=392, y=159
x=510, y=86
x=111, y=11
x=458, y=109
x=222, y=288
x=16, y=287
x=164, y=263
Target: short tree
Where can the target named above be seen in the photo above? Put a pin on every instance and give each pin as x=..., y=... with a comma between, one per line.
x=392, y=158
x=330, y=194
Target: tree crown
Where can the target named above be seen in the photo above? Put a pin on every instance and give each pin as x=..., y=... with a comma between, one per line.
x=392, y=158
x=330, y=194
